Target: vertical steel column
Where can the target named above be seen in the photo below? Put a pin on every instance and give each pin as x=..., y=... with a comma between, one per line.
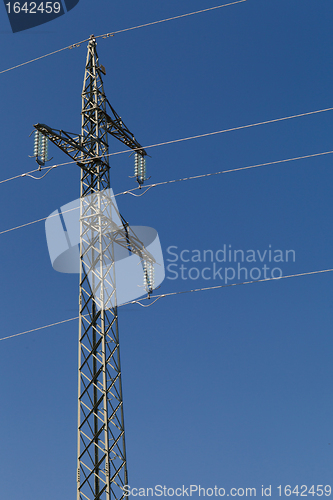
x=102, y=470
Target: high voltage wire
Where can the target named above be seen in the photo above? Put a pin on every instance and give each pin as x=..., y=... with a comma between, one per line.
x=42, y=57
x=18, y=176
x=28, y=174
x=274, y=120
x=200, y=176
x=39, y=328
x=157, y=297
x=106, y=35
x=170, y=19
x=174, y=141
x=171, y=294
x=38, y=220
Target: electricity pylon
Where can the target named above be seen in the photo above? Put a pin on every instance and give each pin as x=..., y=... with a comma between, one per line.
x=102, y=467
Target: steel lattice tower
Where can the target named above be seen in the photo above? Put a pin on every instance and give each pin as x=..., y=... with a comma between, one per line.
x=101, y=467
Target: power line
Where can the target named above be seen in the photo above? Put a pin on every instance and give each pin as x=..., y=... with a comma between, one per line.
x=130, y=191
x=38, y=220
x=28, y=174
x=240, y=127
x=200, y=176
x=235, y=128
x=106, y=35
x=225, y=286
x=42, y=57
x=170, y=19
x=21, y=175
x=174, y=293
x=232, y=129
x=40, y=328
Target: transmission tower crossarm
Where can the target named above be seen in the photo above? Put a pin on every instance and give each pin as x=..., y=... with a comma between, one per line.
x=69, y=143
x=117, y=128
x=126, y=237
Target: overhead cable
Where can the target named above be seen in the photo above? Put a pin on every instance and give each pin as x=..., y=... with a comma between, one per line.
x=200, y=176
x=38, y=220
x=131, y=191
x=174, y=293
x=157, y=297
x=28, y=174
x=42, y=57
x=232, y=129
x=106, y=35
x=169, y=19
x=39, y=328
x=240, y=127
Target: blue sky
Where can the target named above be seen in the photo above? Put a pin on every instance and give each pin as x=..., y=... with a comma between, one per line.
x=229, y=387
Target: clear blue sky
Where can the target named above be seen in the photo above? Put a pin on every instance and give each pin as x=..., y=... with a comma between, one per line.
x=229, y=387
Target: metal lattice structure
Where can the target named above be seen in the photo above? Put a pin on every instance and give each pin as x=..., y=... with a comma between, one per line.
x=101, y=467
